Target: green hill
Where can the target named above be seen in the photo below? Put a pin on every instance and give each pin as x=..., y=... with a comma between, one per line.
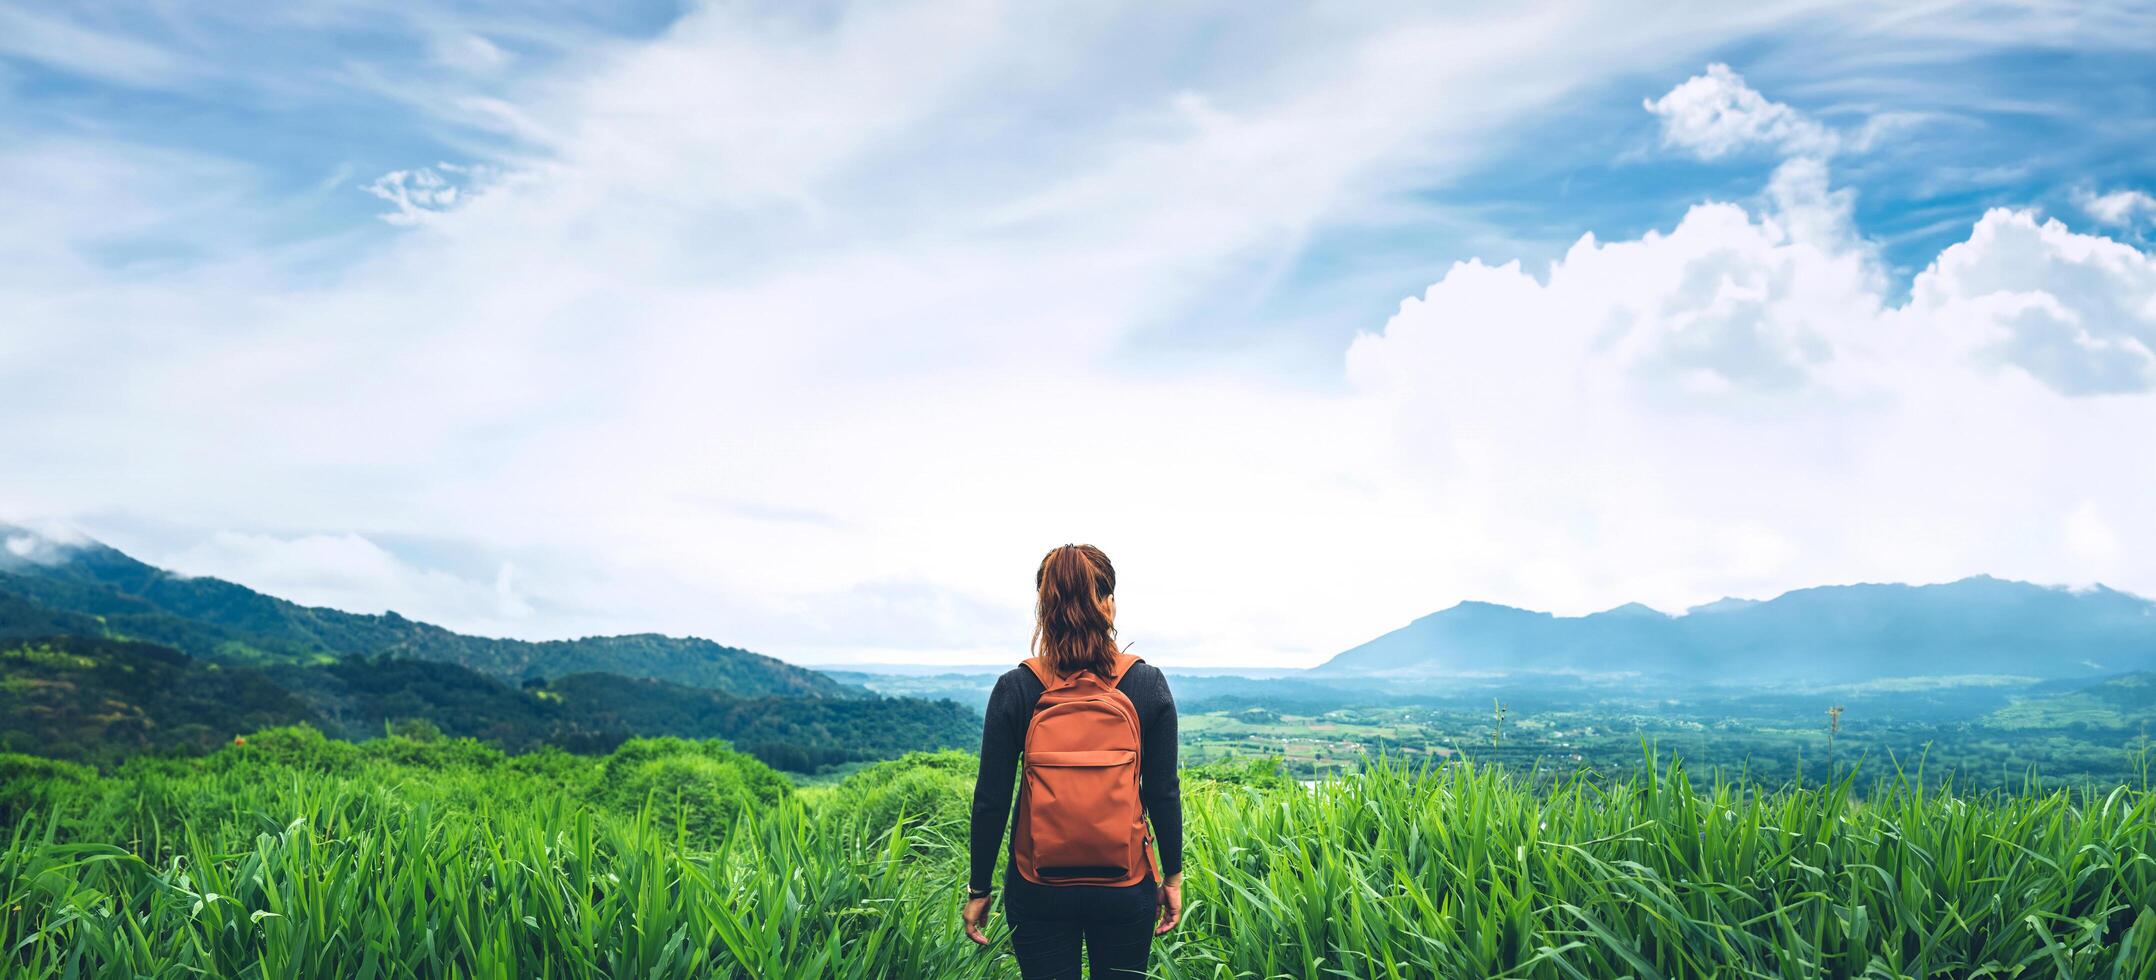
x=93, y=699
x=91, y=589
x=103, y=657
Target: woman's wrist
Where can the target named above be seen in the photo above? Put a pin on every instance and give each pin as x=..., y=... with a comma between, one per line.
x=1173, y=881
x=973, y=893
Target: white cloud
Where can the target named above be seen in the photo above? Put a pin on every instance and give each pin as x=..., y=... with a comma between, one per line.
x=1723, y=307
x=470, y=53
x=1716, y=114
x=2116, y=209
x=422, y=194
x=35, y=548
x=2076, y=312
x=350, y=572
x=1734, y=405
x=893, y=268
x=2090, y=538
x=66, y=197
x=79, y=50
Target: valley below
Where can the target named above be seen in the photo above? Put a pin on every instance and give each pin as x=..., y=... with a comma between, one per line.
x=1982, y=732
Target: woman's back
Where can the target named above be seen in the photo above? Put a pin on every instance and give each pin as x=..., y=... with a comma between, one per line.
x=1089, y=879
x=1003, y=733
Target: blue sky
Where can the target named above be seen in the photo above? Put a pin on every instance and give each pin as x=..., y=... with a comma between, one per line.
x=306, y=110
x=808, y=327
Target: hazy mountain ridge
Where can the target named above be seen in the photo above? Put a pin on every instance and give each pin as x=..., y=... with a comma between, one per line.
x=1825, y=634
x=49, y=587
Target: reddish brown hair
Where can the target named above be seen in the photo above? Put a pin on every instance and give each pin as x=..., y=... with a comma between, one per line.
x=1073, y=625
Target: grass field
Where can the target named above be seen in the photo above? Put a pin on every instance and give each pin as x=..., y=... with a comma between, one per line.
x=294, y=857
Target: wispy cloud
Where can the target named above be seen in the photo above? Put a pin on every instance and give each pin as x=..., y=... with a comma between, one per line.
x=808, y=331
x=417, y=195
x=60, y=44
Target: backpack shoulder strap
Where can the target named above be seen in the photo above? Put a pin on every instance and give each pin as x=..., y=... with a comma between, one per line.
x=1039, y=667
x=1122, y=665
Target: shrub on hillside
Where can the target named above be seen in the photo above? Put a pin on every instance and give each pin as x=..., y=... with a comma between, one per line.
x=763, y=782
x=704, y=784
x=293, y=746
x=30, y=784
x=1259, y=771
x=932, y=790
x=434, y=753
x=556, y=766
x=704, y=795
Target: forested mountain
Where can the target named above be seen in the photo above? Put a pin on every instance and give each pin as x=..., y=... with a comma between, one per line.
x=103, y=656
x=99, y=700
x=1831, y=634
x=96, y=699
x=49, y=588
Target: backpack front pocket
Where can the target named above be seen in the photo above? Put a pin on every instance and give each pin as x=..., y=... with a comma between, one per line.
x=1079, y=806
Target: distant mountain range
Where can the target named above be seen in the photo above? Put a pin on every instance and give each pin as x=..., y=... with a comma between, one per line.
x=1831, y=634
x=101, y=653
x=103, y=656
x=88, y=588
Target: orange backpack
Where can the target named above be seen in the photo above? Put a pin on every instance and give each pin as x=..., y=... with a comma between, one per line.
x=1080, y=821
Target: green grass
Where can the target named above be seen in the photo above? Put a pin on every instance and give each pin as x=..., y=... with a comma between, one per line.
x=1467, y=874
x=291, y=858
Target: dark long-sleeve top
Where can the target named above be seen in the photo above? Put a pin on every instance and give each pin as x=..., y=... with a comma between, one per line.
x=1003, y=738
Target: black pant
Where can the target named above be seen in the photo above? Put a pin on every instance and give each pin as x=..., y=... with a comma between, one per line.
x=1048, y=921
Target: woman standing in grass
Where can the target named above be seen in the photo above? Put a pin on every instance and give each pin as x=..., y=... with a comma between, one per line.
x=1095, y=728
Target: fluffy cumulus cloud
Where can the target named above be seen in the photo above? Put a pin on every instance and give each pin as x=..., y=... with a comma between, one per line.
x=1716, y=114
x=810, y=333
x=2076, y=312
x=1736, y=398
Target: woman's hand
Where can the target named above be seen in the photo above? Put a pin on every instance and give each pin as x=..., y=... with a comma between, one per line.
x=1171, y=903
x=977, y=917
